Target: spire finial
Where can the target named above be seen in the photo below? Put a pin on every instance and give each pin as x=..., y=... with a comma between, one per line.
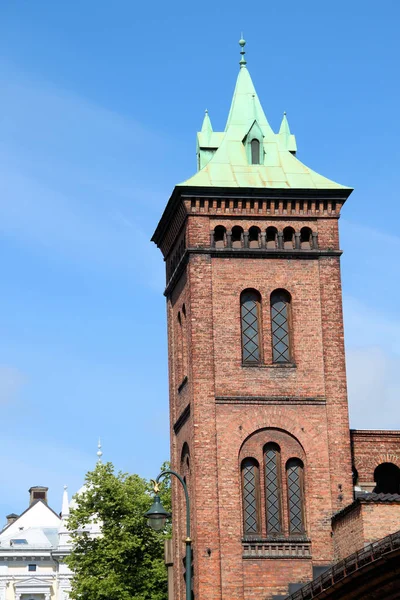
x=99, y=451
x=242, y=44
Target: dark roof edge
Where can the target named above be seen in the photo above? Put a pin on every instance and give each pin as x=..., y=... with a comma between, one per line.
x=181, y=191
x=372, y=432
x=369, y=498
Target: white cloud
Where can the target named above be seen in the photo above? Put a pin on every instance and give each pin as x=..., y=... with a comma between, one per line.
x=373, y=364
x=11, y=382
x=374, y=388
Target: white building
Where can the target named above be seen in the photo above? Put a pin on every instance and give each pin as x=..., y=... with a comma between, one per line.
x=33, y=547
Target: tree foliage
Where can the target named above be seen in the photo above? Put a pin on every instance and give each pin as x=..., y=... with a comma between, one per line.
x=125, y=562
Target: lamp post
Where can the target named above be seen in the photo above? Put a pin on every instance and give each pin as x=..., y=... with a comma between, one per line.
x=157, y=516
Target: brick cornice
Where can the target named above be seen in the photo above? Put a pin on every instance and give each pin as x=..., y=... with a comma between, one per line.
x=186, y=192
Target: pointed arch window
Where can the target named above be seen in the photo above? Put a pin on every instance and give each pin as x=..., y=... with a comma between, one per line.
x=251, y=497
x=295, y=484
x=255, y=151
x=250, y=304
x=280, y=324
x=273, y=489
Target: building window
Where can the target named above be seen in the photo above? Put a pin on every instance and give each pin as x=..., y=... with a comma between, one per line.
x=294, y=471
x=288, y=238
x=387, y=479
x=219, y=236
x=280, y=324
x=272, y=237
x=274, y=501
x=237, y=237
x=31, y=567
x=254, y=237
x=255, y=152
x=305, y=238
x=273, y=489
x=251, y=497
x=250, y=302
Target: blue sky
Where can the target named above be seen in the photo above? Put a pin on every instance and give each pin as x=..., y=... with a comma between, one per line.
x=99, y=107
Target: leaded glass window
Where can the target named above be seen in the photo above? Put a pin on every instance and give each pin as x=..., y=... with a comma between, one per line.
x=280, y=323
x=250, y=309
x=294, y=470
x=273, y=489
x=250, y=483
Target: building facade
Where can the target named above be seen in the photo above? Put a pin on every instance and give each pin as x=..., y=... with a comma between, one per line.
x=33, y=547
x=258, y=396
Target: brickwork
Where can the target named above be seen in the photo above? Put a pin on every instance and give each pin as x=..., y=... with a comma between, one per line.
x=370, y=449
x=225, y=411
x=363, y=523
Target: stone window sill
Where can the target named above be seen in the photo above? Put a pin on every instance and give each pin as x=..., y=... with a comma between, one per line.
x=290, y=547
x=272, y=366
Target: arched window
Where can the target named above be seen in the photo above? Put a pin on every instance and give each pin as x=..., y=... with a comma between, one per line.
x=179, y=353
x=305, y=238
x=387, y=479
x=184, y=342
x=255, y=152
x=251, y=497
x=294, y=472
x=254, y=237
x=272, y=237
x=237, y=237
x=273, y=489
x=288, y=237
x=219, y=236
x=250, y=302
x=280, y=324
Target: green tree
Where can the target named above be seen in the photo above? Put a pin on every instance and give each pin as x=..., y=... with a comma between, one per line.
x=125, y=562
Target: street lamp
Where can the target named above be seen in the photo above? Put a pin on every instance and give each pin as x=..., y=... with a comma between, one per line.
x=157, y=516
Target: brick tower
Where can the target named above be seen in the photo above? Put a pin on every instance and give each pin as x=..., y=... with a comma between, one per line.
x=258, y=402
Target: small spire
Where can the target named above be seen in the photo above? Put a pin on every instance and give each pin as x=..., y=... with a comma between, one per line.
x=206, y=127
x=65, y=504
x=99, y=452
x=288, y=140
x=284, y=128
x=242, y=44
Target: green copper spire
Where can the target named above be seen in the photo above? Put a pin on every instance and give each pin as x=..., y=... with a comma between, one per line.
x=286, y=139
x=206, y=128
x=225, y=158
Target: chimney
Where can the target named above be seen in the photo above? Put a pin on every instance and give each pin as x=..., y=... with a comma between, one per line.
x=38, y=492
x=11, y=518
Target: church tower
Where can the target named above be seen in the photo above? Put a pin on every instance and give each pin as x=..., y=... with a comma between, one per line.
x=258, y=401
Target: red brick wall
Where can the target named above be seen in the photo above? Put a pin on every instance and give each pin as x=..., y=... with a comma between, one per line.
x=371, y=448
x=348, y=533
x=232, y=405
x=380, y=519
x=363, y=524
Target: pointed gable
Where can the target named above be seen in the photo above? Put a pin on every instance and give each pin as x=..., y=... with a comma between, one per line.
x=37, y=515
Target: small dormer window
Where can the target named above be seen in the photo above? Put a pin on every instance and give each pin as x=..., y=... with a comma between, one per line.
x=255, y=152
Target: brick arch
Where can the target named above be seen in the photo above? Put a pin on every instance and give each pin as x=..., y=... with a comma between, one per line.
x=277, y=420
x=388, y=457
x=272, y=434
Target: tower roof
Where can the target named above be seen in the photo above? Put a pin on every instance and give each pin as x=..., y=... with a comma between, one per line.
x=225, y=158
